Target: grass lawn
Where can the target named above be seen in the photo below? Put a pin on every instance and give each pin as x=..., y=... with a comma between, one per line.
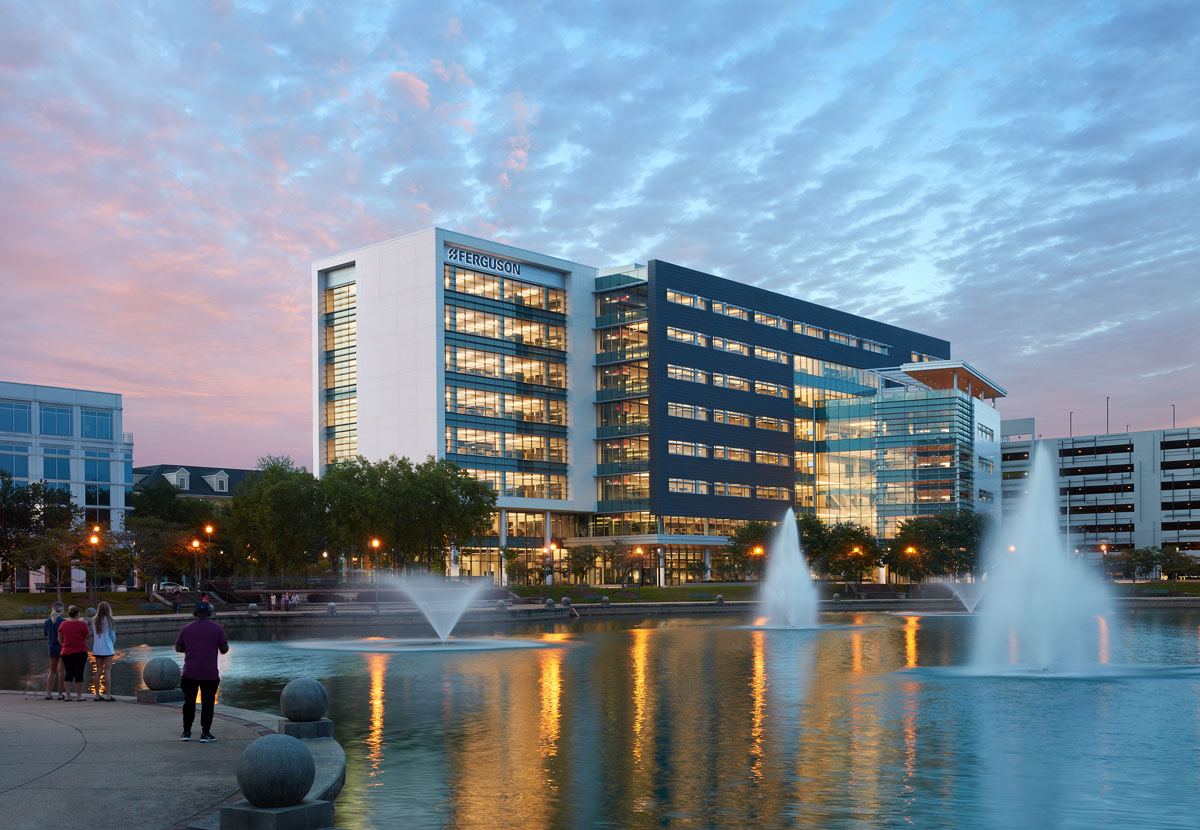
x=123, y=603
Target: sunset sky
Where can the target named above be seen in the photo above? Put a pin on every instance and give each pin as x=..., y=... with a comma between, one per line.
x=1021, y=178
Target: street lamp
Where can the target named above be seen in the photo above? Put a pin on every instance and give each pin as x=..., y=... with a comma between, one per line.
x=375, y=572
x=758, y=552
x=196, y=554
x=208, y=550
x=95, y=540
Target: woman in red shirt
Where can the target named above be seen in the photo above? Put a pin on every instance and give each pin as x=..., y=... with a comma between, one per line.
x=72, y=633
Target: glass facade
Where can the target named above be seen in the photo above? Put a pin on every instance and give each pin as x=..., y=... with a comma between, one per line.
x=506, y=376
x=340, y=417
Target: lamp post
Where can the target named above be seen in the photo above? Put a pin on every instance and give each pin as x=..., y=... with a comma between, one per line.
x=208, y=529
x=95, y=540
x=758, y=552
x=375, y=572
x=196, y=554
x=641, y=560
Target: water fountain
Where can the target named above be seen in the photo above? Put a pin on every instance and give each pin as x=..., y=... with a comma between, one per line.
x=788, y=598
x=968, y=593
x=442, y=603
x=1044, y=609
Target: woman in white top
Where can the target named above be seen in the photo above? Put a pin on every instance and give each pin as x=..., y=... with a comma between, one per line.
x=104, y=646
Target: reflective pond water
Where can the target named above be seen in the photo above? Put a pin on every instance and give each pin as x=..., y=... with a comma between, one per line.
x=705, y=722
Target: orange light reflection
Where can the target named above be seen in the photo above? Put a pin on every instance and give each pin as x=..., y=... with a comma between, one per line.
x=856, y=653
x=376, y=669
x=640, y=645
x=551, y=686
x=911, y=624
x=758, y=692
x=1103, y=638
x=1013, y=651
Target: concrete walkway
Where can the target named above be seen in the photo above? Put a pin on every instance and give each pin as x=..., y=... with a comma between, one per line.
x=113, y=765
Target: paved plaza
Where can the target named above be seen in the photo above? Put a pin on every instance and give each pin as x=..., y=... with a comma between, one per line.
x=113, y=765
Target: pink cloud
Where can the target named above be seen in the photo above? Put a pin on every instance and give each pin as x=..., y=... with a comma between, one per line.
x=412, y=87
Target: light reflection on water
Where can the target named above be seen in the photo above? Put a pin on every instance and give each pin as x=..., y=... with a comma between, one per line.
x=870, y=721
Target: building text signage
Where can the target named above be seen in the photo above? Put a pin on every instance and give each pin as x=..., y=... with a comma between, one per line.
x=492, y=263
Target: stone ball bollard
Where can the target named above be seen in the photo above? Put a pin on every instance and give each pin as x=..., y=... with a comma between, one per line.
x=604, y=600
x=720, y=599
x=252, y=609
x=566, y=602
x=276, y=771
x=304, y=699
x=549, y=602
x=160, y=674
x=91, y=612
x=331, y=608
x=500, y=605
x=837, y=597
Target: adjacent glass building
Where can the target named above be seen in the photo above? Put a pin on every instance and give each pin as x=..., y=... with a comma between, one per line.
x=73, y=440
x=651, y=406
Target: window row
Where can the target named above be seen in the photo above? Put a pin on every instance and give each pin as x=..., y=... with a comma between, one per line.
x=469, y=361
x=56, y=420
x=522, y=485
x=486, y=403
x=726, y=488
x=497, y=444
x=696, y=412
x=505, y=289
x=502, y=327
x=727, y=381
x=836, y=371
x=776, y=321
x=56, y=464
x=693, y=338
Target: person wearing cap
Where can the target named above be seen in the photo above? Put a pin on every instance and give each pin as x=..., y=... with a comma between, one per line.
x=199, y=642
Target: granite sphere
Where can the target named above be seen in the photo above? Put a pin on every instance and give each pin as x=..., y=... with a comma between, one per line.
x=304, y=699
x=276, y=771
x=720, y=599
x=566, y=601
x=332, y=608
x=252, y=609
x=160, y=674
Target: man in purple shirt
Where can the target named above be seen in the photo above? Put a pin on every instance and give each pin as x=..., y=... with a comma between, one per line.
x=199, y=643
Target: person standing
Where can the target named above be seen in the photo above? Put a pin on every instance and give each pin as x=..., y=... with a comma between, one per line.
x=199, y=642
x=104, y=646
x=72, y=636
x=54, y=671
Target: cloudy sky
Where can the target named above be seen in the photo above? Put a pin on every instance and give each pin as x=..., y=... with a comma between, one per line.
x=1021, y=178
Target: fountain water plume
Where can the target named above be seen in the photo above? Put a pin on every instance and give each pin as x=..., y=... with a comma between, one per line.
x=788, y=598
x=968, y=593
x=1043, y=603
x=443, y=603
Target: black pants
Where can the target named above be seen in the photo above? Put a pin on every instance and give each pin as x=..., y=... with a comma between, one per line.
x=208, y=699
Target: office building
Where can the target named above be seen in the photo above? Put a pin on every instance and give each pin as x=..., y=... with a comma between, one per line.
x=650, y=403
x=1116, y=492
x=73, y=440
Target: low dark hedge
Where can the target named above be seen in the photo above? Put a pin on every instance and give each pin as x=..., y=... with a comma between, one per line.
x=319, y=597
x=385, y=595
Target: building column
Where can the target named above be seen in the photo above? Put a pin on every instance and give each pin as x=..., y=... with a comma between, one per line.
x=501, y=579
x=454, y=561
x=707, y=560
x=550, y=575
x=662, y=568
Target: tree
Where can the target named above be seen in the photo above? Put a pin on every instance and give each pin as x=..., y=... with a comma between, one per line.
x=1175, y=563
x=747, y=548
x=152, y=546
x=814, y=540
x=1140, y=562
x=625, y=560
x=579, y=560
x=278, y=513
x=851, y=552
x=514, y=568
x=27, y=513
x=946, y=543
